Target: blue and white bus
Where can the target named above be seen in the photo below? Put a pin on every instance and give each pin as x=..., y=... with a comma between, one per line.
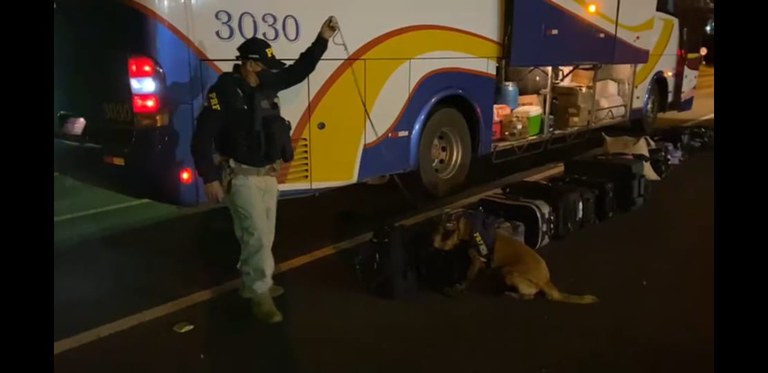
x=419, y=92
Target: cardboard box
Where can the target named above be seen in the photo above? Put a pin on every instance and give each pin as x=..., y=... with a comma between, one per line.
x=573, y=95
x=500, y=111
x=561, y=110
x=583, y=77
x=530, y=100
x=565, y=120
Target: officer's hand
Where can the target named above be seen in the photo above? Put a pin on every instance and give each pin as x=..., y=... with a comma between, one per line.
x=330, y=26
x=214, y=192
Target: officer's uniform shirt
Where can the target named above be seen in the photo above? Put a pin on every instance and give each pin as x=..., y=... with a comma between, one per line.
x=228, y=104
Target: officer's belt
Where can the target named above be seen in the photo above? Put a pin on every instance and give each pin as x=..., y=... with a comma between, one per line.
x=238, y=169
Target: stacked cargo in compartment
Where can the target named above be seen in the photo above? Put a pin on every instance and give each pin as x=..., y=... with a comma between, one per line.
x=575, y=60
x=592, y=95
x=515, y=116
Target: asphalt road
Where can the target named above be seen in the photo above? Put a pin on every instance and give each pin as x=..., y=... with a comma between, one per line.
x=115, y=256
x=652, y=269
x=126, y=271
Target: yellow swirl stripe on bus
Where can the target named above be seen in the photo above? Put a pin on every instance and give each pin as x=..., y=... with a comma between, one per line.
x=662, y=42
x=337, y=103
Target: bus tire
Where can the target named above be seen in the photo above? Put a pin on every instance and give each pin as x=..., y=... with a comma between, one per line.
x=651, y=111
x=445, y=152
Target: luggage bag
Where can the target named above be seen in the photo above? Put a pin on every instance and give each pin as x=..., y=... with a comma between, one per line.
x=566, y=202
x=626, y=173
x=535, y=216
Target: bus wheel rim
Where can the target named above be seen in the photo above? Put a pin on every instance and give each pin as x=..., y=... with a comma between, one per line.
x=446, y=153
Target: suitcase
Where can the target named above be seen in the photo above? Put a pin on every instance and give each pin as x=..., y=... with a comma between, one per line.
x=566, y=202
x=534, y=215
x=384, y=267
x=605, y=198
x=625, y=173
x=443, y=271
x=674, y=153
x=660, y=160
x=588, y=213
x=514, y=228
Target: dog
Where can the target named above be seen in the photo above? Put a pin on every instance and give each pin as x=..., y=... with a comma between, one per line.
x=519, y=266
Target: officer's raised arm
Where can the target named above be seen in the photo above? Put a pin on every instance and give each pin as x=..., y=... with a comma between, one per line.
x=295, y=73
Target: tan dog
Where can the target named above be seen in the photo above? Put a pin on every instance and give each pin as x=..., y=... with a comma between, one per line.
x=519, y=265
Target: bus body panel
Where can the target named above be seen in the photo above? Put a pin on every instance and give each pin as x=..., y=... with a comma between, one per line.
x=405, y=57
x=560, y=32
x=661, y=63
x=389, y=50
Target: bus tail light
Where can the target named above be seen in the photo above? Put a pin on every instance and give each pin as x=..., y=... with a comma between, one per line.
x=145, y=104
x=141, y=67
x=186, y=176
x=146, y=79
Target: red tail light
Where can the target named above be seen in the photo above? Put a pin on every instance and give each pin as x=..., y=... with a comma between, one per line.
x=141, y=67
x=146, y=104
x=186, y=176
x=146, y=79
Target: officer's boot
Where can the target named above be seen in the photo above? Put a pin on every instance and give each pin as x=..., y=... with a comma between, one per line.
x=265, y=309
x=274, y=290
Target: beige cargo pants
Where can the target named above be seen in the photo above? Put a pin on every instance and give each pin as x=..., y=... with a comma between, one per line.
x=252, y=200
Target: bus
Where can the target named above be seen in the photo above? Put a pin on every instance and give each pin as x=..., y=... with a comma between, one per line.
x=419, y=87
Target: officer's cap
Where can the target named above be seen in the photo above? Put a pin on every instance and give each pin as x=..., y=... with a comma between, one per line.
x=259, y=50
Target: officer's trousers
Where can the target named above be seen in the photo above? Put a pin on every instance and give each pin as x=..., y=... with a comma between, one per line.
x=252, y=200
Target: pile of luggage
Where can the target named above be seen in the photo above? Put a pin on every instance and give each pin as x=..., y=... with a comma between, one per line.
x=591, y=190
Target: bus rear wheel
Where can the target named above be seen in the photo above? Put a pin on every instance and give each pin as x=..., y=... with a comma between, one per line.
x=651, y=111
x=445, y=152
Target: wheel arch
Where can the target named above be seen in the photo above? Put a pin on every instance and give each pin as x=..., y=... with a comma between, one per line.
x=454, y=98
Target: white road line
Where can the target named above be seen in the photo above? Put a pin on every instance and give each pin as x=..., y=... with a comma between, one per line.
x=99, y=210
x=205, y=295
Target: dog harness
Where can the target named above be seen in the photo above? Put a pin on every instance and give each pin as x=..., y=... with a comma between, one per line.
x=483, y=234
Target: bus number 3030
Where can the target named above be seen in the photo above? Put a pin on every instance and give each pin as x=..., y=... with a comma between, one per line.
x=268, y=26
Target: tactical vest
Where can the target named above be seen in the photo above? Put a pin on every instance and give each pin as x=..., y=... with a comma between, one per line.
x=266, y=137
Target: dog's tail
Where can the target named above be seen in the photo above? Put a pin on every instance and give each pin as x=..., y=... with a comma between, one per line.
x=555, y=295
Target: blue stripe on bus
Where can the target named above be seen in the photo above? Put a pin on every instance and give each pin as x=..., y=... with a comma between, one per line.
x=394, y=155
x=576, y=41
x=686, y=105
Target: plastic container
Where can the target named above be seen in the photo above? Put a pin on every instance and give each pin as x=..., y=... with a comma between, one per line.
x=496, y=131
x=533, y=115
x=509, y=95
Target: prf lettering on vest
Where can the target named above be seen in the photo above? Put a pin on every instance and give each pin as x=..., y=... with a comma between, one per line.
x=480, y=244
x=214, y=101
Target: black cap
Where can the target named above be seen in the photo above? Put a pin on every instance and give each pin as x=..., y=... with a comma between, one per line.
x=259, y=50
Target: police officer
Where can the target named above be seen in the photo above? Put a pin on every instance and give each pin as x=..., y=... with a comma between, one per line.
x=241, y=119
